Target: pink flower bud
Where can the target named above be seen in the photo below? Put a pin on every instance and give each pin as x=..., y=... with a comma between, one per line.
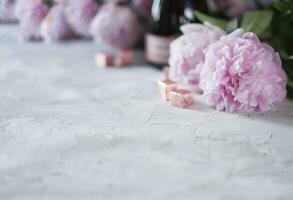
x=232, y=8
x=116, y=25
x=55, y=27
x=30, y=14
x=7, y=11
x=143, y=7
x=79, y=14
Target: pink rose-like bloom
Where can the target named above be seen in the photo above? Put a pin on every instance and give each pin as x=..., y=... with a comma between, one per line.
x=55, y=27
x=79, y=14
x=116, y=25
x=186, y=53
x=232, y=8
x=7, y=11
x=242, y=74
x=116, y=1
x=30, y=14
x=142, y=7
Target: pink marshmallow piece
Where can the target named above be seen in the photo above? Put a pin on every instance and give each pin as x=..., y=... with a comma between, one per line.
x=181, y=98
x=104, y=60
x=165, y=87
x=123, y=58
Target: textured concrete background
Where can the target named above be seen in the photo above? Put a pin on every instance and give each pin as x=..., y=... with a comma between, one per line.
x=69, y=130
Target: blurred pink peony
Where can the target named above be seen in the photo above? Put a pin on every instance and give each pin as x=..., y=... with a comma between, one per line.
x=232, y=8
x=242, y=74
x=116, y=25
x=30, y=14
x=55, y=27
x=7, y=11
x=143, y=7
x=116, y=1
x=186, y=53
x=79, y=14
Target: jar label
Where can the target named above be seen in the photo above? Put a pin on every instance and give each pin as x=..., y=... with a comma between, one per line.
x=157, y=48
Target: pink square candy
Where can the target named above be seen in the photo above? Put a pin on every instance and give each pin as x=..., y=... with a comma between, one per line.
x=165, y=87
x=123, y=58
x=181, y=98
x=104, y=59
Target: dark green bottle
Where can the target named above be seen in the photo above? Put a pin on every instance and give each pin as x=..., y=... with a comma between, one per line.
x=190, y=6
x=164, y=27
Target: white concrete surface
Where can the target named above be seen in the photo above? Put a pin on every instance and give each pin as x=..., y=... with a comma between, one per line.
x=69, y=130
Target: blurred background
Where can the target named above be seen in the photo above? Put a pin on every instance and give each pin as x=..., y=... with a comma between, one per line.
x=123, y=24
x=147, y=25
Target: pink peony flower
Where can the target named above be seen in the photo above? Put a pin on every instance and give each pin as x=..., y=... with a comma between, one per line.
x=55, y=27
x=232, y=8
x=143, y=7
x=30, y=14
x=116, y=1
x=116, y=25
x=242, y=74
x=79, y=14
x=7, y=11
x=186, y=53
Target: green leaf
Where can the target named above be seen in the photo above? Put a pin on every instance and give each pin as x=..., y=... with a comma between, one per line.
x=289, y=57
x=284, y=55
x=213, y=20
x=281, y=6
x=257, y=21
x=290, y=3
x=288, y=67
x=232, y=25
x=290, y=89
x=49, y=2
x=290, y=83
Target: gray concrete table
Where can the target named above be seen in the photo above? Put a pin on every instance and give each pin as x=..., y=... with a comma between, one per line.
x=69, y=130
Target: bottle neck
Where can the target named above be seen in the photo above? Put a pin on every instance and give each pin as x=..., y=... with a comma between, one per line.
x=190, y=6
x=165, y=17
